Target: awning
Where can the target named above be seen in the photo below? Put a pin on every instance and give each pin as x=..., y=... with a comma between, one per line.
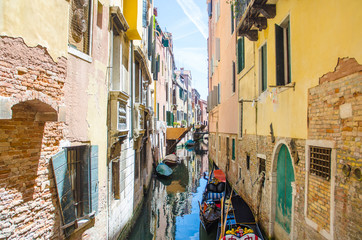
x=132, y=10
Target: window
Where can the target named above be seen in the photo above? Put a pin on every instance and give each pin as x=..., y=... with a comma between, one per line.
x=320, y=161
x=144, y=13
x=241, y=54
x=282, y=53
x=166, y=92
x=99, y=14
x=263, y=68
x=232, y=18
x=248, y=161
x=164, y=114
x=233, y=149
x=122, y=116
x=233, y=77
x=76, y=176
x=219, y=143
x=209, y=9
x=241, y=118
x=79, y=30
x=217, y=49
x=158, y=111
x=116, y=179
x=218, y=94
x=138, y=77
x=261, y=165
x=227, y=148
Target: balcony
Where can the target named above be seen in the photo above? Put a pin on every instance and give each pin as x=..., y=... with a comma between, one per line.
x=251, y=17
x=139, y=119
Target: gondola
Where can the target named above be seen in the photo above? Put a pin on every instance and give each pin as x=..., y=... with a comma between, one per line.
x=240, y=223
x=210, y=207
x=171, y=160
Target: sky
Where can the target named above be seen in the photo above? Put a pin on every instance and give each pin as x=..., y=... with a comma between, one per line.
x=187, y=21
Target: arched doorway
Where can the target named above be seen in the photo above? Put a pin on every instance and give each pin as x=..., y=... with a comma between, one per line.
x=284, y=190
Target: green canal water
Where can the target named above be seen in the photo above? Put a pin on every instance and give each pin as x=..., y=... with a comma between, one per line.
x=171, y=208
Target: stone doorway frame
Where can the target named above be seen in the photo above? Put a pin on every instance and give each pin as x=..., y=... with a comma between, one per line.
x=273, y=187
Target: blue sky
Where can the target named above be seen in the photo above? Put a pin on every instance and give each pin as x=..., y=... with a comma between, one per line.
x=187, y=21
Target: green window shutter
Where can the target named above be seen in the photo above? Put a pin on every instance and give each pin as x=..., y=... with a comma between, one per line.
x=241, y=54
x=64, y=189
x=233, y=149
x=279, y=55
x=264, y=68
x=94, y=178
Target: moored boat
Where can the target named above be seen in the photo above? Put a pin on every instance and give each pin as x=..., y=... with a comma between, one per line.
x=163, y=170
x=171, y=160
x=210, y=207
x=239, y=223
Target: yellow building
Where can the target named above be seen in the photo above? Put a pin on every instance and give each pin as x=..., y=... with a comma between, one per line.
x=298, y=161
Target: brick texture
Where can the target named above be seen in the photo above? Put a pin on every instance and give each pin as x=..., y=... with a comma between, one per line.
x=340, y=88
x=28, y=200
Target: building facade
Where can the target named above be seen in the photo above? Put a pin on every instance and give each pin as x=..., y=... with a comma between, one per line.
x=295, y=157
x=76, y=117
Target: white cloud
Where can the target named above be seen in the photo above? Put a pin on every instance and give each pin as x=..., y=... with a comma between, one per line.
x=185, y=35
x=194, y=13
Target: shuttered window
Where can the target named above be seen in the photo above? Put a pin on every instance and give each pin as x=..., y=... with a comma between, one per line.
x=232, y=18
x=218, y=94
x=79, y=30
x=263, y=68
x=282, y=53
x=217, y=49
x=76, y=176
x=241, y=54
x=233, y=149
x=233, y=77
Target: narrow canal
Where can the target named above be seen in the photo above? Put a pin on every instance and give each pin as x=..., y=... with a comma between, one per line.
x=171, y=209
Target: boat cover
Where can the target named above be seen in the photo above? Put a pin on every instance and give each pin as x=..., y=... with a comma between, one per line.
x=242, y=212
x=163, y=169
x=220, y=175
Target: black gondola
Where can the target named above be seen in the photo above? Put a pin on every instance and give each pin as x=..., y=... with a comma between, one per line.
x=210, y=207
x=240, y=223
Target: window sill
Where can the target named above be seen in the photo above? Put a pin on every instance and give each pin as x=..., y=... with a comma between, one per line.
x=79, y=54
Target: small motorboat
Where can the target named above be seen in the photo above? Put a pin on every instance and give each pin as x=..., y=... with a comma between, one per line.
x=163, y=170
x=171, y=160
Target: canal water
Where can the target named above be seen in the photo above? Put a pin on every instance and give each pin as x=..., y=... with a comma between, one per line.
x=171, y=208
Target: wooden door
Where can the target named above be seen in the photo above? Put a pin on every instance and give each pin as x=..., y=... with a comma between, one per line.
x=285, y=177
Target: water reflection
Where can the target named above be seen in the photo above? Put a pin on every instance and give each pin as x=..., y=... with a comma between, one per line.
x=171, y=210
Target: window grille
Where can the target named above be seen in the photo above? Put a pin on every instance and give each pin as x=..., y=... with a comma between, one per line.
x=320, y=161
x=79, y=30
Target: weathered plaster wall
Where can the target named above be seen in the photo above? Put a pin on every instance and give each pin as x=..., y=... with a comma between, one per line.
x=20, y=18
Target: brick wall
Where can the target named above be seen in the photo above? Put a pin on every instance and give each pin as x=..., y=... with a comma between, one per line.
x=33, y=82
x=335, y=114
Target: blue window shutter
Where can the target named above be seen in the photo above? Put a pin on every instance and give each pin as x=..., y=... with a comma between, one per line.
x=62, y=181
x=94, y=178
x=85, y=174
